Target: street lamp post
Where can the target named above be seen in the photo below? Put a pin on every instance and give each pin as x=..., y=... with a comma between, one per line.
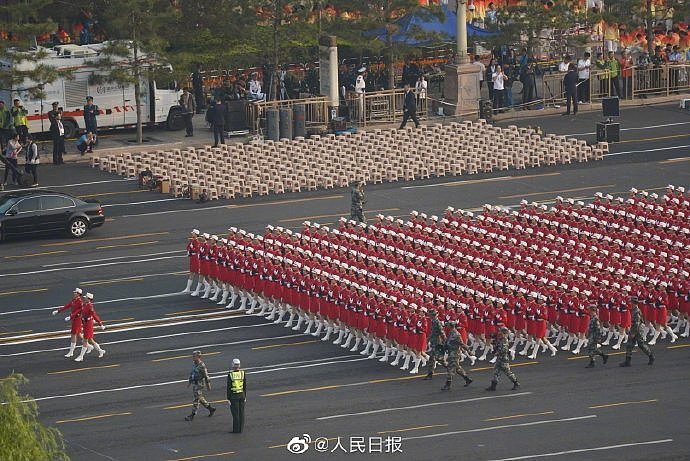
x=461, y=86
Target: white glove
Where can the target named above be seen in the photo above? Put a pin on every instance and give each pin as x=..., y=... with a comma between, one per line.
x=102, y=327
x=55, y=312
x=67, y=319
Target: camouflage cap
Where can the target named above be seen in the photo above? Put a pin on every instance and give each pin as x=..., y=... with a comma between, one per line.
x=196, y=354
x=452, y=323
x=592, y=307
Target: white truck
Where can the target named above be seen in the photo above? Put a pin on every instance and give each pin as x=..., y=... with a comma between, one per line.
x=159, y=106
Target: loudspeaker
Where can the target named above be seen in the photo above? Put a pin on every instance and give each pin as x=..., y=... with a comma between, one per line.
x=236, y=116
x=611, y=107
x=609, y=132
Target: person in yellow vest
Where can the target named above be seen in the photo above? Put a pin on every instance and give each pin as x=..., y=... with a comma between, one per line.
x=19, y=118
x=237, y=395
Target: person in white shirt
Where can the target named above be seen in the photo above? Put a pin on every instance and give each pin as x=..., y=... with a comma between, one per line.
x=563, y=66
x=360, y=89
x=255, y=89
x=420, y=87
x=498, y=78
x=32, y=159
x=583, y=67
x=482, y=70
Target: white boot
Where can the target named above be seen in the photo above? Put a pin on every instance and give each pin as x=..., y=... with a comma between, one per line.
x=339, y=339
x=673, y=335
x=310, y=323
x=101, y=352
x=347, y=342
x=654, y=338
x=89, y=348
x=493, y=360
x=217, y=292
x=252, y=306
x=290, y=320
x=243, y=303
x=189, y=285
x=329, y=331
x=356, y=346
x=398, y=356
x=552, y=348
x=486, y=352
x=367, y=348
x=71, y=349
x=233, y=298
x=528, y=345
x=81, y=354
x=534, y=352
x=274, y=310
x=317, y=333
x=207, y=290
x=376, y=349
x=299, y=323
x=579, y=345
x=386, y=354
x=406, y=365
x=417, y=361
x=198, y=288
x=569, y=343
x=224, y=298
x=621, y=338
x=608, y=338
x=686, y=333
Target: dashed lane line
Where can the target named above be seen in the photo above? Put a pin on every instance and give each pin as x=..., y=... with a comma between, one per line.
x=299, y=343
x=186, y=356
x=17, y=292
x=211, y=455
x=408, y=429
x=90, y=418
x=33, y=255
x=619, y=404
x=78, y=370
x=127, y=245
x=523, y=415
x=585, y=450
x=104, y=239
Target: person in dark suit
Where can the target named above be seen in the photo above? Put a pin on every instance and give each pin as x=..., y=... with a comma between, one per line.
x=215, y=116
x=570, y=88
x=409, y=108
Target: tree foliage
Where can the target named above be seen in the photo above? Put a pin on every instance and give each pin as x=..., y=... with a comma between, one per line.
x=22, y=436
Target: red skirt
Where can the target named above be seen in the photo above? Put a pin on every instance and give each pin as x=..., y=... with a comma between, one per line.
x=626, y=319
x=605, y=314
x=194, y=265
x=540, y=329
x=76, y=326
x=684, y=306
x=615, y=317
x=661, y=316
x=510, y=320
x=532, y=327
x=88, y=329
x=381, y=329
x=583, y=324
x=552, y=314
x=520, y=322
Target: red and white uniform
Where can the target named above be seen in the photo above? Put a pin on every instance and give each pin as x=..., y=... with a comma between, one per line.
x=88, y=318
x=76, y=305
x=193, y=253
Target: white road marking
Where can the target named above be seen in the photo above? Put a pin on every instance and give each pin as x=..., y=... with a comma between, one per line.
x=108, y=301
x=43, y=271
x=186, y=210
x=114, y=258
x=232, y=343
x=505, y=426
x=424, y=186
x=216, y=375
x=584, y=450
x=412, y=407
x=139, y=276
x=88, y=183
x=143, y=203
x=637, y=128
x=658, y=149
x=199, y=318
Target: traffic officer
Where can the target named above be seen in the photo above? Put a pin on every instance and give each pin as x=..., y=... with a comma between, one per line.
x=198, y=379
x=635, y=336
x=437, y=338
x=357, y=204
x=594, y=336
x=502, y=364
x=454, y=344
x=237, y=395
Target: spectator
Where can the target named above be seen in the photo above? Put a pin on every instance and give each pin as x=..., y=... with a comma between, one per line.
x=85, y=36
x=21, y=123
x=614, y=71
x=627, y=65
x=14, y=146
x=490, y=69
x=583, y=69
x=570, y=86
x=189, y=107
x=409, y=108
x=565, y=63
x=482, y=70
x=420, y=87
x=255, y=92
x=91, y=111
x=86, y=142
x=57, y=132
x=216, y=118
x=198, y=86
x=674, y=58
x=499, y=78
x=6, y=126
x=32, y=160
x=600, y=64
x=491, y=17
x=529, y=84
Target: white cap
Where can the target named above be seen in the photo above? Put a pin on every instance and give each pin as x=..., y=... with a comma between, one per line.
x=89, y=295
x=195, y=231
x=78, y=291
x=235, y=362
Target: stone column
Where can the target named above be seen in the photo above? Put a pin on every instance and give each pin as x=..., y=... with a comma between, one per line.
x=461, y=85
x=328, y=71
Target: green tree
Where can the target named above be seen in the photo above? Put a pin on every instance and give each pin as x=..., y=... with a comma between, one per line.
x=21, y=25
x=137, y=49
x=22, y=436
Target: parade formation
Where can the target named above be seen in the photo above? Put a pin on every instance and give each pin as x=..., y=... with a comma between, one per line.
x=82, y=317
x=574, y=276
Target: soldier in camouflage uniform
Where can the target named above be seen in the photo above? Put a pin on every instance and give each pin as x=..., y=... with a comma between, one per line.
x=502, y=364
x=594, y=336
x=454, y=344
x=635, y=337
x=198, y=379
x=437, y=338
x=358, y=201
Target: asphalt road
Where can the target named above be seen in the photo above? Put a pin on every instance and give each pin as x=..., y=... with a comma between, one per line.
x=130, y=404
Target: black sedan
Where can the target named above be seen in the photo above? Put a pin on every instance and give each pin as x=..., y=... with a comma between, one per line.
x=40, y=212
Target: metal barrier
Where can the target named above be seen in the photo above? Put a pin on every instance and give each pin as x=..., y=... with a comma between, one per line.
x=316, y=112
x=639, y=83
x=381, y=106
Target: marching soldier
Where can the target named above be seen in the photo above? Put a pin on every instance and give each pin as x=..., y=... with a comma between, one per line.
x=594, y=336
x=198, y=379
x=437, y=339
x=635, y=337
x=358, y=201
x=453, y=345
x=75, y=306
x=237, y=395
x=502, y=364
